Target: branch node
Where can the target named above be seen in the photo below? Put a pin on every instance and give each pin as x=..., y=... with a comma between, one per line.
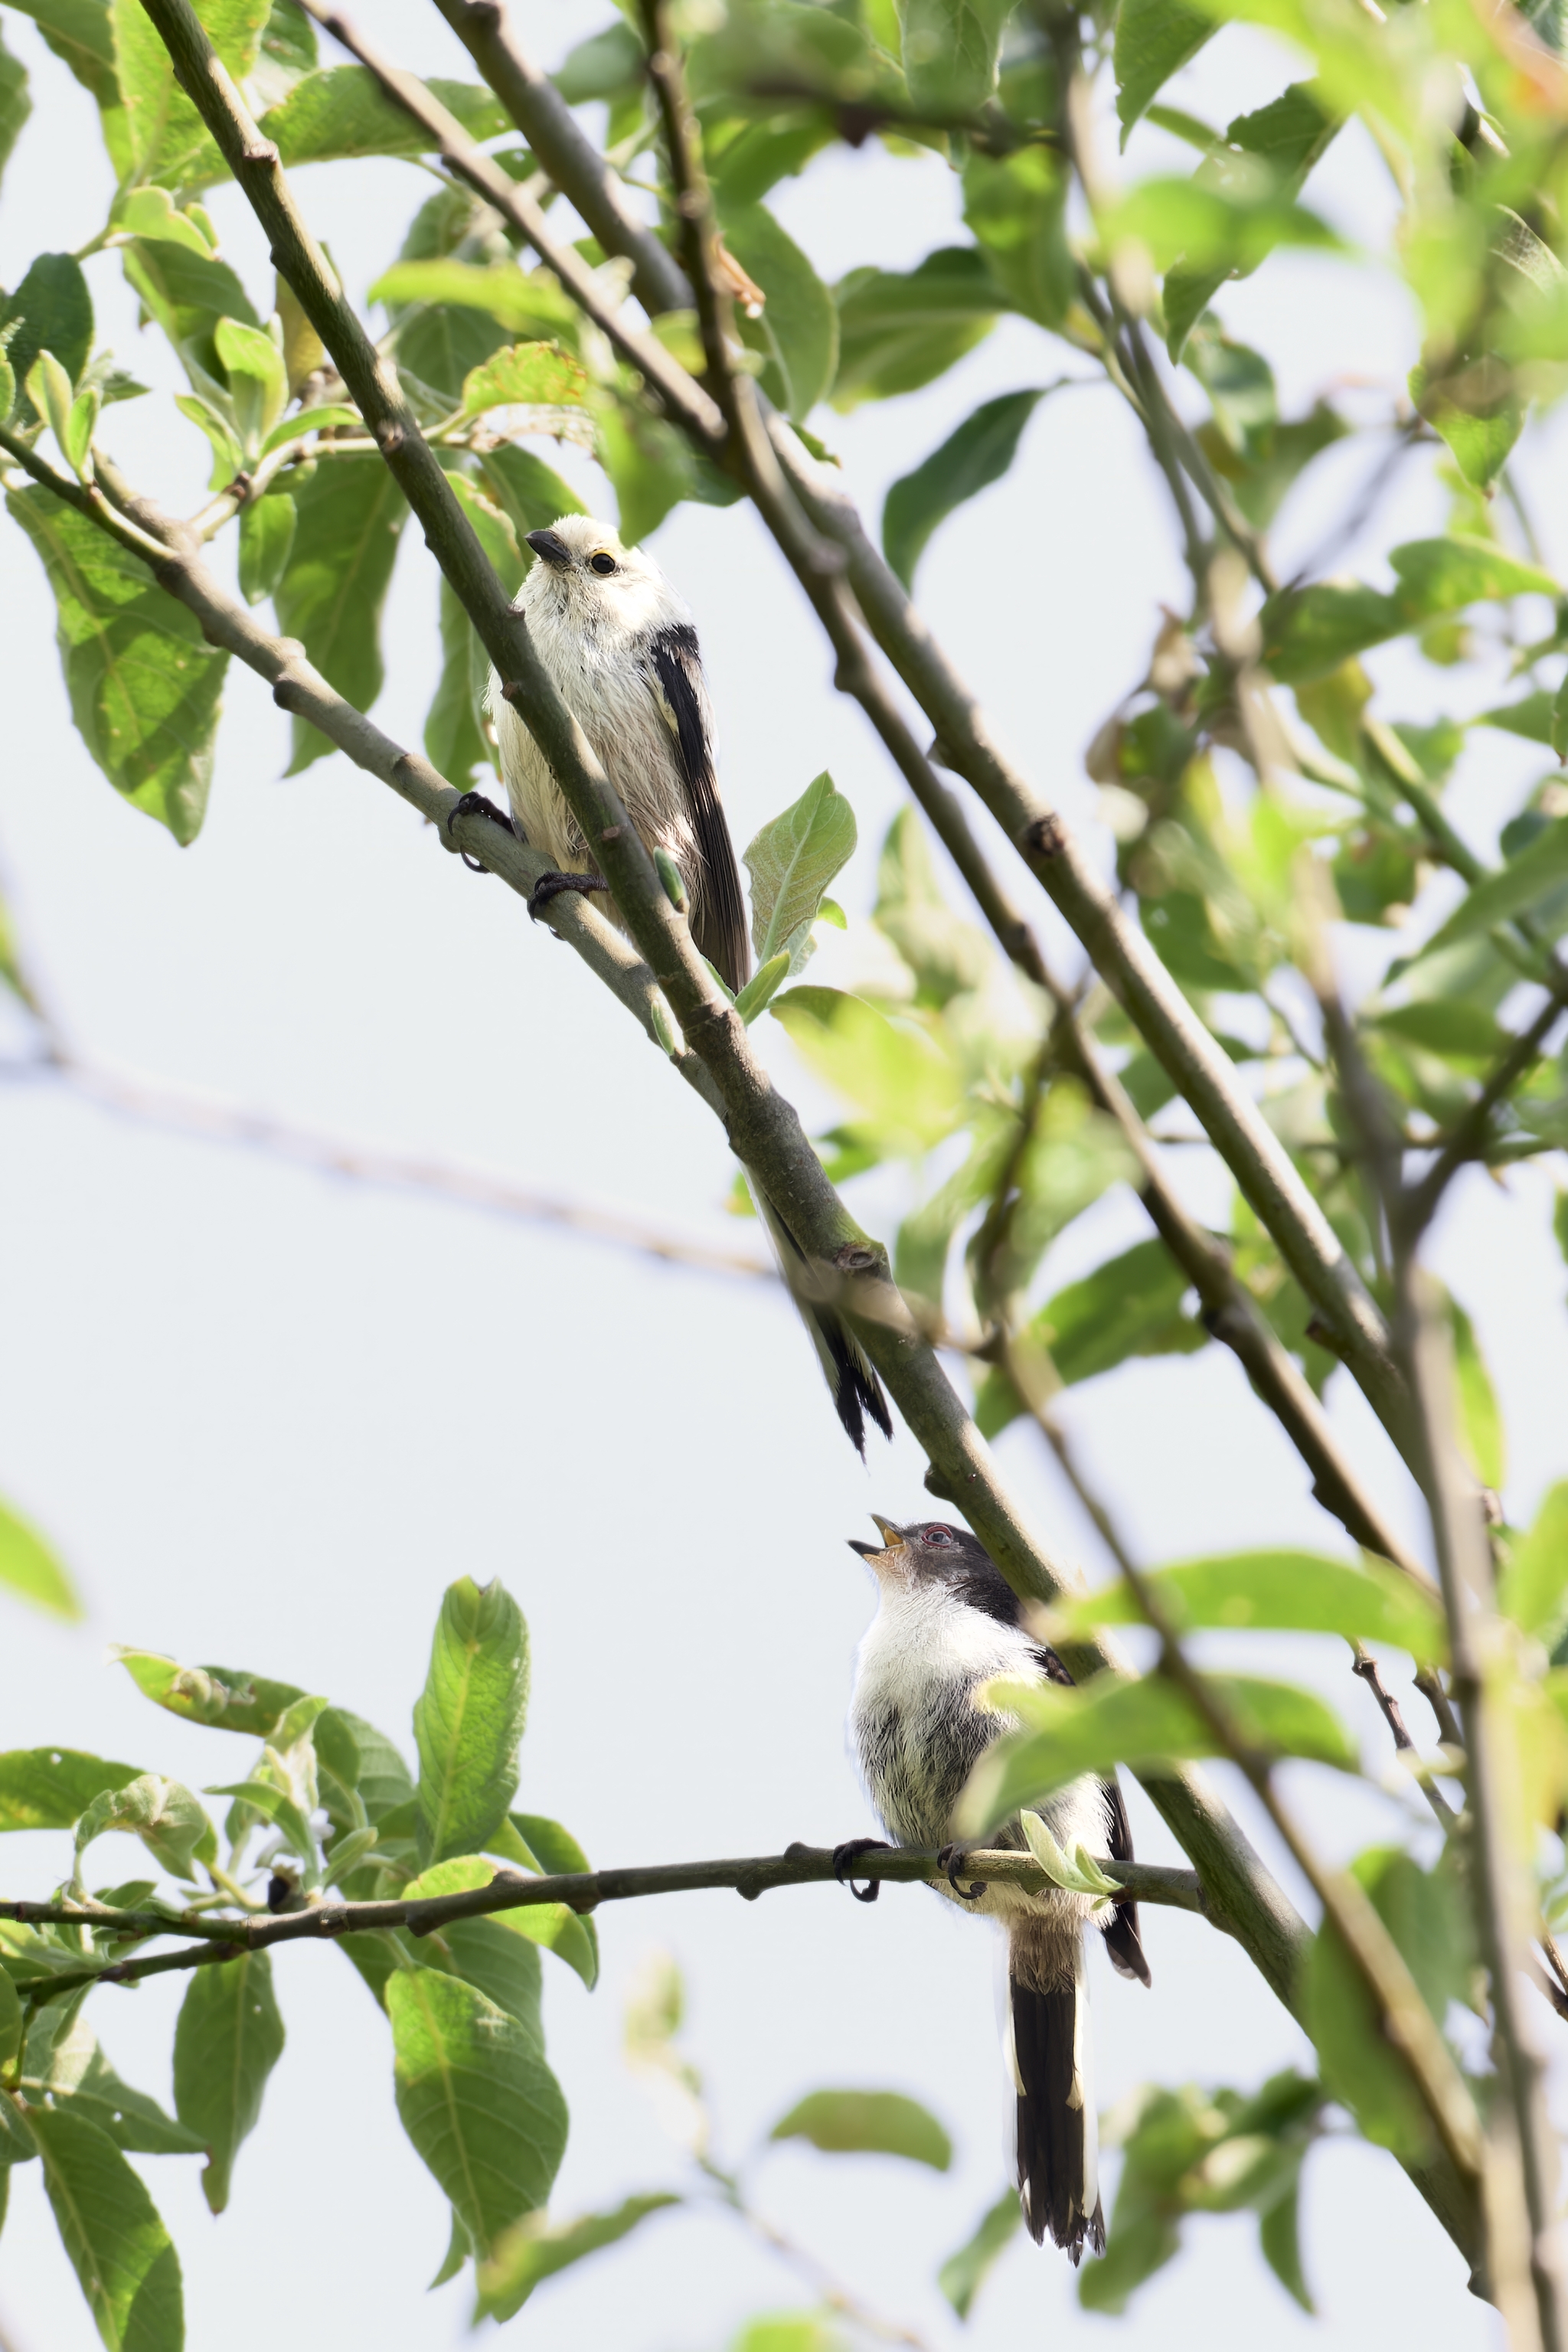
x=612, y=833
x=1046, y=836
x=390, y=437
x=259, y=151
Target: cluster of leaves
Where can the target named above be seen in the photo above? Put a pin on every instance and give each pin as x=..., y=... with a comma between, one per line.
x=328, y=1804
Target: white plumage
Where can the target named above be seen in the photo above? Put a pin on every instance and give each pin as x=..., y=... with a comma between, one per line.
x=620, y=645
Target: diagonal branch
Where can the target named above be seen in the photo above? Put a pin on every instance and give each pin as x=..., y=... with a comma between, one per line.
x=1195, y=1062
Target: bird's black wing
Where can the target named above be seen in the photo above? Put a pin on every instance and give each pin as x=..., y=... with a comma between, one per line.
x=721, y=927
x=1120, y=1931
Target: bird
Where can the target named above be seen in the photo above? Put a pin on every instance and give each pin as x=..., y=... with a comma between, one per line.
x=621, y=649
x=946, y=1622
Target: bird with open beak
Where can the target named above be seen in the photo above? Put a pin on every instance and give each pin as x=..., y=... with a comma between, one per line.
x=947, y=1621
x=620, y=646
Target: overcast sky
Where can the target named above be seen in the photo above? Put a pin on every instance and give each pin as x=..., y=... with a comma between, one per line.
x=269, y=1416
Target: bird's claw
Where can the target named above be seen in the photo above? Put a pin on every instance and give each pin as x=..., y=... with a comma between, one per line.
x=551, y=885
x=952, y=1859
x=476, y=805
x=850, y=1852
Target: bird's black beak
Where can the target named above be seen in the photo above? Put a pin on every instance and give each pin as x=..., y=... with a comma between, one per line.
x=554, y=551
x=892, y=1540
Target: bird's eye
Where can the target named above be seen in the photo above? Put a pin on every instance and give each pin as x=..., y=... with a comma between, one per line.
x=939, y=1535
x=602, y=563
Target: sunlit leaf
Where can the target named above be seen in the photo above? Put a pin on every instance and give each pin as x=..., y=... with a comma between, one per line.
x=51, y=1788
x=978, y=453
x=871, y=2123
x=791, y=862
x=1110, y=1721
x=1305, y=1592
x=477, y=2099
x=536, y=2249
x=470, y=1719
x=1533, y=1590
x=964, y=2273
x=899, y=1079
x=15, y=103
x=349, y=514
x=341, y=111
x=1154, y=39
x=162, y=1813
x=797, y=333
x=31, y=1571
x=120, y=2250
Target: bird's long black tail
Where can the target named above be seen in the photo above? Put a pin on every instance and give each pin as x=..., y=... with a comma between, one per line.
x=1058, y=2139
x=852, y=1382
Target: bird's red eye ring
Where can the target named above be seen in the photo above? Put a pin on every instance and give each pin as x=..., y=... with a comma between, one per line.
x=939, y=1535
x=602, y=563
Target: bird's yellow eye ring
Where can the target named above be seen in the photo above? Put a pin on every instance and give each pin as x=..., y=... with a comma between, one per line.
x=602, y=563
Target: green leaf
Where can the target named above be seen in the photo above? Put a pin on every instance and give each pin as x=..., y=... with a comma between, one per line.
x=791, y=862
x=797, y=333
x=493, y=1953
x=153, y=213
x=1425, y=1915
x=143, y=685
x=978, y=453
x=871, y=2123
x=349, y=514
x=455, y=736
x=1268, y=153
x=220, y=1696
x=266, y=537
x=1154, y=39
x=1481, y=1422
x=63, y=2065
x=31, y=1571
x=790, y=2331
x=899, y=1080
x=964, y=2274
x=1131, y=1305
x=228, y=2039
x=544, y=1847
x=162, y=1813
x=469, y=1722
x=15, y=103
x=949, y=53
x=536, y=2249
x=946, y=955
x=186, y=295
x=1016, y=206
x=457, y=2252
x=897, y=331
x=277, y=1806
x=1301, y=1592
x=604, y=66
x=169, y=140
x=81, y=33
x=530, y=493
x=1110, y=1721
x=341, y=112
x=258, y=379
x=1534, y=870
x=1309, y=632
x=10, y=2023
x=529, y=375
x=477, y=2099
x=523, y=303
x=384, y=1781
x=51, y=1788
x=1278, y=2239
x=1533, y=1590
x=121, y=2252
x=50, y=310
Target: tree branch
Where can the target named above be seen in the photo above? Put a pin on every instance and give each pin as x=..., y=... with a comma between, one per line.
x=226, y=1937
x=1202, y=1072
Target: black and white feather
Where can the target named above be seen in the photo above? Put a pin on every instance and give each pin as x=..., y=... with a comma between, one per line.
x=620, y=645
x=947, y=1622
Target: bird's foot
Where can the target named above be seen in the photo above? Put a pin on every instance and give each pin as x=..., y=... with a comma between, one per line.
x=551, y=885
x=476, y=805
x=952, y=1859
x=849, y=1852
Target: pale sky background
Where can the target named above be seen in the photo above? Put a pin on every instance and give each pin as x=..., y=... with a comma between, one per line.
x=269, y=1416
